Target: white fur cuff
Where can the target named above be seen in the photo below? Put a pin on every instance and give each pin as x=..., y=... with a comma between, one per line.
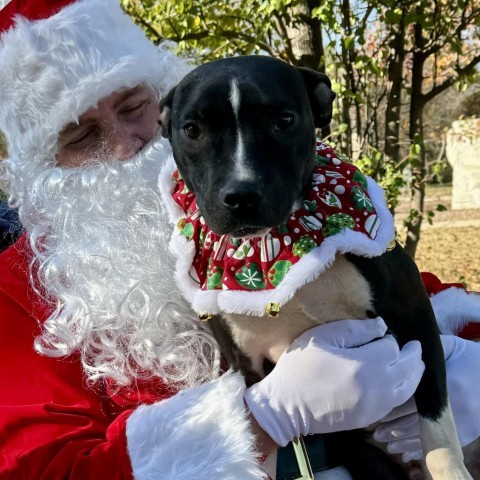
x=454, y=308
x=200, y=433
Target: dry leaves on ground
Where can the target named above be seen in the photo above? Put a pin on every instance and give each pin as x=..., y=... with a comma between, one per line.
x=453, y=254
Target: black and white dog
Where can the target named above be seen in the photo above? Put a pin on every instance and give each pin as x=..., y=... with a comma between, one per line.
x=243, y=137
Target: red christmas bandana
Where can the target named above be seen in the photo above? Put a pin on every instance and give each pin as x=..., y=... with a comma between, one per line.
x=338, y=200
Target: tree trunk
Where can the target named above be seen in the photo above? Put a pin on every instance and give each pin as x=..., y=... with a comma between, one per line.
x=393, y=112
x=307, y=41
x=301, y=36
x=319, y=62
x=417, y=160
x=346, y=141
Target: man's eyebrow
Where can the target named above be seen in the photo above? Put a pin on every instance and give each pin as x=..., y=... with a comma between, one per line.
x=73, y=126
x=126, y=94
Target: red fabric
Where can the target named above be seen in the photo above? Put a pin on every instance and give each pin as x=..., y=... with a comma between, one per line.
x=31, y=9
x=51, y=426
x=434, y=285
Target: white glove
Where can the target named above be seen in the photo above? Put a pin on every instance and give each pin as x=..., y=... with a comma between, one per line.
x=331, y=378
x=401, y=428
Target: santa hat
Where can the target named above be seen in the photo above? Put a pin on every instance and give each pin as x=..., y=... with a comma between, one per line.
x=33, y=10
x=59, y=58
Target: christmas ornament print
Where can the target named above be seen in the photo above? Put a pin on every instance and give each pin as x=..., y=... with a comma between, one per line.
x=278, y=271
x=214, y=278
x=269, y=248
x=303, y=245
x=337, y=202
x=337, y=222
x=251, y=277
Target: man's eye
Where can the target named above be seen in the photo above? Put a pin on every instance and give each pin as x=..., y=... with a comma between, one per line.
x=81, y=139
x=192, y=131
x=134, y=108
x=284, y=121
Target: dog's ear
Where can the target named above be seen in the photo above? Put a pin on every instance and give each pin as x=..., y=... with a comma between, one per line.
x=165, y=118
x=320, y=94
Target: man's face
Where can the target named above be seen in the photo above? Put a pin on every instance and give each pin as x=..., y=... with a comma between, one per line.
x=120, y=126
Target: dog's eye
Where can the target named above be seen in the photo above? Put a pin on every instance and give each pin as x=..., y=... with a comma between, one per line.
x=284, y=121
x=192, y=131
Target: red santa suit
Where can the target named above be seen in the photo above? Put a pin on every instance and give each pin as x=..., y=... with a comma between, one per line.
x=53, y=426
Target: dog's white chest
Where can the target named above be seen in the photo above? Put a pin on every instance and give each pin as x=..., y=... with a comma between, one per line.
x=339, y=293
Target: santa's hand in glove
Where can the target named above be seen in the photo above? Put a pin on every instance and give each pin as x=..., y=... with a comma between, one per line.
x=339, y=376
x=401, y=428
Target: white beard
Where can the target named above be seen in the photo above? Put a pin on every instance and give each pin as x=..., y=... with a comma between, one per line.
x=100, y=239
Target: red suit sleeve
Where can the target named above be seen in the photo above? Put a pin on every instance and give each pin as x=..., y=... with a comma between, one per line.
x=434, y=285
x=462, y=305
x=51, y=425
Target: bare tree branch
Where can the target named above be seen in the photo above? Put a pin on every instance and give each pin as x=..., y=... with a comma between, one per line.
x=426, y=97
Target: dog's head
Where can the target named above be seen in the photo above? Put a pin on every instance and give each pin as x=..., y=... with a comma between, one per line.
x=243, y=137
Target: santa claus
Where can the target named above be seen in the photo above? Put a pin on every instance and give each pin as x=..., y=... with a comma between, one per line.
x=106, y=372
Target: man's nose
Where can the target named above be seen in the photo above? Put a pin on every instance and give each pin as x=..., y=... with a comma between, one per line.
x=122, y=141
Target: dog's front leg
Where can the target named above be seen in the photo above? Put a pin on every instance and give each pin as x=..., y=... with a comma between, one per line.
x=400, y=298
x=443, y=454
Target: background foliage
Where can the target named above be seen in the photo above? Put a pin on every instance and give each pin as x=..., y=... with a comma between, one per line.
x=391, y=63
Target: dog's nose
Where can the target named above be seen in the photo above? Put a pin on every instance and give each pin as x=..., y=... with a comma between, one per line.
x=241, y=197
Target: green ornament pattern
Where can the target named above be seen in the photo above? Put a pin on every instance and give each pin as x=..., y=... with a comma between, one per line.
x=360, y=178
x=361, y=199
x=336, y=175
x=278, y=271
x=332, y=200
x=336, y=223
x=214, y=278
x=251, y=276
x=319, y=160
x=310, y=205
x=186, y=228
x=303, y=245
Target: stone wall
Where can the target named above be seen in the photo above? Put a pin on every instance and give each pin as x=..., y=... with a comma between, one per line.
x=463, y=154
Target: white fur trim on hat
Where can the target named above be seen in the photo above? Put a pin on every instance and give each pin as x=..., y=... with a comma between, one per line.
x=199, y=433
x=52, y=70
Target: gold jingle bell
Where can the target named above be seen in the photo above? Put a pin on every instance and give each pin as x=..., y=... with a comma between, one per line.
x=181, y=224
x=273, y=309
x=205, y=317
